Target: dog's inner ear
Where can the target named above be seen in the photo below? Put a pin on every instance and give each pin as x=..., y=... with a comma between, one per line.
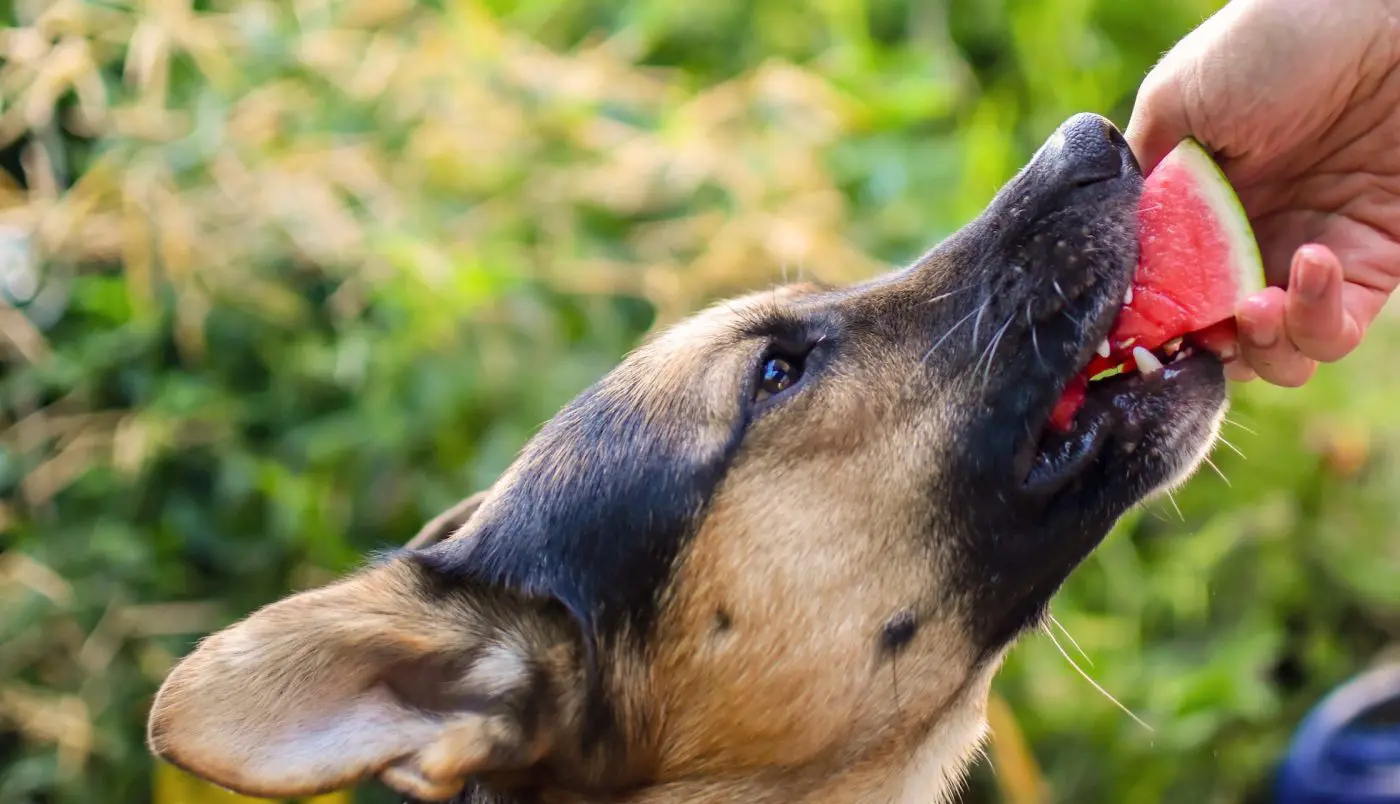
x=446, y=523
x=386, y=673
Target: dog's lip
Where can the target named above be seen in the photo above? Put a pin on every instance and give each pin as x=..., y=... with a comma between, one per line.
x=1115, y=410
x=1092, y=428
x=1046, y=462
x=1093, y=333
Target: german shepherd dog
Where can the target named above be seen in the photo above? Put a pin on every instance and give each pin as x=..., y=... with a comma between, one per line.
x=777, y=555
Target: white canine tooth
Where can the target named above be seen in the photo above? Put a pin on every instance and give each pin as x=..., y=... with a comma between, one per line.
x=1128, y=295
x=1103, y=350
x=1147, y=363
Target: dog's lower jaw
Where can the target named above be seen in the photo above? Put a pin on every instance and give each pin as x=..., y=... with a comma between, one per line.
x=1191, y=462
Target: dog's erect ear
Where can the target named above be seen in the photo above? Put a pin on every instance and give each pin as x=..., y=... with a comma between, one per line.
x=446, y=523
x=385, y=673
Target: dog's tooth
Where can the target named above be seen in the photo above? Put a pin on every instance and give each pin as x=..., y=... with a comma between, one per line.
x=1172, y=346
x=1128, y=295
x=1104, y=350
x=1147, y=363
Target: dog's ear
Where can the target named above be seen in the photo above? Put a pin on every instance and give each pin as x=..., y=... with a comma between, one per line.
x=389, y=672
x=446, y=523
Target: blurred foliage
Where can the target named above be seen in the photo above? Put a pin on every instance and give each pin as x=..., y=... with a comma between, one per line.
x=280, y=281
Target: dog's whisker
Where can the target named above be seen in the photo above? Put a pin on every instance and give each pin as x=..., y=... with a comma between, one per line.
x=1058, y=290
x=940, y=297
x=1035, y=339
x=977, y=325
x=1212, y=465
x=1071, y=638
x=945, y=337
x=1157, y=515
x=1150, y=511
x=1105, y=693
x=991, y=352
x=1232, y=447
x=1239, y=424
x=1172, y=497
x=984, y=353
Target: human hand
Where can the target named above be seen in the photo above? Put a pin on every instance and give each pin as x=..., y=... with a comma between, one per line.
x=1300, y=102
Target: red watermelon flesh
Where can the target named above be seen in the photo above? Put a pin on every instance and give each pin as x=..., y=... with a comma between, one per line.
x=1198, y=258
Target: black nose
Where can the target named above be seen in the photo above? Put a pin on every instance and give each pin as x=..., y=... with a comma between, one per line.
x=1092, y=150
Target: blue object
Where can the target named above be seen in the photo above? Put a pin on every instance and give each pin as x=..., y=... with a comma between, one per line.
x=1337, y=758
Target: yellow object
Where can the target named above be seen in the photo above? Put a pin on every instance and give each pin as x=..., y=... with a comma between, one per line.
x=174, y=786
x=1018, y=777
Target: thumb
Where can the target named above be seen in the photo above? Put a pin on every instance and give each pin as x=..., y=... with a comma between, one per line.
x=1159, y=118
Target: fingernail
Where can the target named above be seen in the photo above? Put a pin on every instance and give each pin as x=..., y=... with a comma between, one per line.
x=1261, y=334
x=1310, y=277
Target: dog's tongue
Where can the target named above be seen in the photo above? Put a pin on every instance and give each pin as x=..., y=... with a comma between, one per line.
x=1197, y=259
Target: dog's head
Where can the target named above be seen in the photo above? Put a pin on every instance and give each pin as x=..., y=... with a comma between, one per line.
x=776, y=554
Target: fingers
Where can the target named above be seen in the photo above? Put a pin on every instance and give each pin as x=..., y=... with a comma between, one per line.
x=1285, y=334
x=1240, y=371
x=1316, y=321
x=1223, y=340
x=1264, y=344
x=1159, y=119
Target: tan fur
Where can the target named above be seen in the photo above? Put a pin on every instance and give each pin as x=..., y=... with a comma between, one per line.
x=332, y=662
x=827, y=560
x=758, y=711
x=835, y=602
x=763, y=697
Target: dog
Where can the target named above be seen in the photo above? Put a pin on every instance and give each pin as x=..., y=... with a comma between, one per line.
x=777, y=555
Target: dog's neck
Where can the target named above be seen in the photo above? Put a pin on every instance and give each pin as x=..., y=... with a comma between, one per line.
x=933, y=775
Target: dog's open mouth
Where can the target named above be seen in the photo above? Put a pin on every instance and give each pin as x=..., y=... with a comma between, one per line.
x=1117, y=407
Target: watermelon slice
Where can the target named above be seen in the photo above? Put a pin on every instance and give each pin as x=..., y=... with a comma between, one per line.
x=1198, y=258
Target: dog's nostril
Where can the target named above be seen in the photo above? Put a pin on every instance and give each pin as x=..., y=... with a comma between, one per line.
x=1116, y=137
x=1094, y=150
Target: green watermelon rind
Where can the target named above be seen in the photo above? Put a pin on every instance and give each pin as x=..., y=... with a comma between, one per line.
x=1246, y=262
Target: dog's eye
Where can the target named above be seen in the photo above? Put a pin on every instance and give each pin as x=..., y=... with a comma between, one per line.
x=779, y=374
